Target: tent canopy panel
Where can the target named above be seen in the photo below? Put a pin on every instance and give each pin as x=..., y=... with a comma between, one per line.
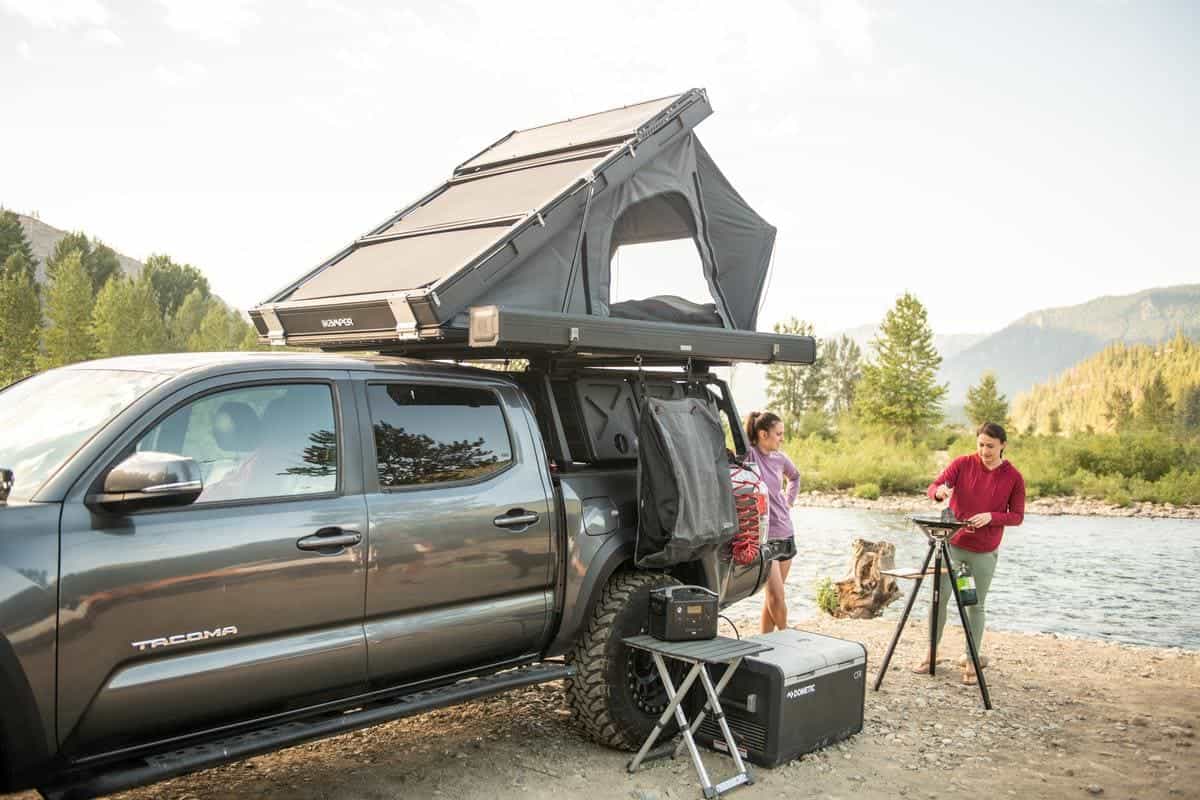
x=506, y=194
x=397, y=264
x=619, y=123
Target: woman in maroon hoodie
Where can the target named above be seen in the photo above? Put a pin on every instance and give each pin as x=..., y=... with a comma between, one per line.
x=986, y=493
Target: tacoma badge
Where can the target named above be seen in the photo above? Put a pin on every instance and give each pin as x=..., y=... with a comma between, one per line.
x=183, y=638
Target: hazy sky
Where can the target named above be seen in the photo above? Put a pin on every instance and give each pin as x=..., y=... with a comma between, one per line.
x=992, y=158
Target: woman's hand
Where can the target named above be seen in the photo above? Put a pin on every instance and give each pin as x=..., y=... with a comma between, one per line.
x=942, y=492
x=980, y=520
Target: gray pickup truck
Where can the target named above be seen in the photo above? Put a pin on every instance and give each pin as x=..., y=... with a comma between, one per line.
x=208, y=556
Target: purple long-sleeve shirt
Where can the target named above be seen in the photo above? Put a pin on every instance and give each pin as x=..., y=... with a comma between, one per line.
x=775, y=466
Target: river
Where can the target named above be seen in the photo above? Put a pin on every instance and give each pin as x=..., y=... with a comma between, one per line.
x=1132, y=580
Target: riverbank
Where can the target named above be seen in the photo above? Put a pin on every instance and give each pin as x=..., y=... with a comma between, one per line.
x=1050, y=506
x=1072, y=718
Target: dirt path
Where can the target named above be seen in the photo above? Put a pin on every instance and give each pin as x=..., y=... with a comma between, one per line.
x=1073, y=719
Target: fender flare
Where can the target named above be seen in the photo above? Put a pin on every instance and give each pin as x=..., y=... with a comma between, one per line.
x=611, y=556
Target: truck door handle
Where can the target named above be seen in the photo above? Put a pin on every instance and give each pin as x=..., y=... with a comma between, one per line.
x=330, y=539
x=516, y=518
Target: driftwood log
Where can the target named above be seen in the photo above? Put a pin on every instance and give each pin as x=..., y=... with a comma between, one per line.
x=865, y=593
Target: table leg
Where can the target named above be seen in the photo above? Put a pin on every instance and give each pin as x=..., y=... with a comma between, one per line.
x=719, y=713
x=672, y=707
x=720, y=687
x=933, y=614
x=912, y=596
x=962, y=616
x=697, y=669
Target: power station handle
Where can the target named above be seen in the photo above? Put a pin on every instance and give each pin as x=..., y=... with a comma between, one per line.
x=515, y=519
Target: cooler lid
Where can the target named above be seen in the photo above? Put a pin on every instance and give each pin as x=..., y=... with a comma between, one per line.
x=799, y=653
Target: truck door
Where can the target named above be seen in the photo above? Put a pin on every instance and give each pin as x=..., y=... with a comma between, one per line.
x=180, y=618
x=460, y=570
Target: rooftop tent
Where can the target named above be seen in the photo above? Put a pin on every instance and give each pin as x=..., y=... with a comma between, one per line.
x=531, y=224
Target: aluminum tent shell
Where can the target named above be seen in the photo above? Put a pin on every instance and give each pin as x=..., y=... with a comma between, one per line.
x=532, y=222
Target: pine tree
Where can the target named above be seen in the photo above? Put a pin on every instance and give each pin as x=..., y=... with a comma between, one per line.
x=843, y=363
x=20, y=322
x=173, y=282
x=99, y=260
x=793, y=389
x=126, y=320
x=899, y=387
x=985, y=403
x=1156, y=411
x=69, y=301
x=185, y=323
x=1187, y=412
x=221, y=329
x=1118, y=410
x=12, y=240
x=18, y=263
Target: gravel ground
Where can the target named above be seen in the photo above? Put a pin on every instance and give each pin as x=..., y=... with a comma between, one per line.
x=1073, y=718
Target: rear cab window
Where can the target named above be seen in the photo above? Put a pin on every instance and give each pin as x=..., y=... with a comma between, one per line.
x=428, y=434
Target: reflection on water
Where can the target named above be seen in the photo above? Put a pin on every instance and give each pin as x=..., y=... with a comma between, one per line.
x=1128, y=580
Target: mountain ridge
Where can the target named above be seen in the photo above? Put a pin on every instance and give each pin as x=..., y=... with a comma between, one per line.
x=43, y=237
x=1041, y=344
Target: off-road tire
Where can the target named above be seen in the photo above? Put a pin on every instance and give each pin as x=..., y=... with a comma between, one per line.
x=615, y=695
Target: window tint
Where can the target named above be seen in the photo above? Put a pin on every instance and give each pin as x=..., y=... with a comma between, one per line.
x=434, y=434
x=260, y=441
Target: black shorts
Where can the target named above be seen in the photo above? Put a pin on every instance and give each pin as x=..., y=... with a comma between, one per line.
x=781, y=549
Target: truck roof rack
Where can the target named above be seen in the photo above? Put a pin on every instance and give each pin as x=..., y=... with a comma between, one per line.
x=499, y=332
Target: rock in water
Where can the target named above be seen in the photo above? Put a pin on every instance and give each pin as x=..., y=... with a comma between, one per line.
x=865, y=593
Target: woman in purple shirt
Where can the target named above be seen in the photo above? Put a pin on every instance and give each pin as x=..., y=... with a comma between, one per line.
x=764, y=431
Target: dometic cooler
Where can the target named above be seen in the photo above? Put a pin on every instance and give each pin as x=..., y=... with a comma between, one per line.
x=806, y=693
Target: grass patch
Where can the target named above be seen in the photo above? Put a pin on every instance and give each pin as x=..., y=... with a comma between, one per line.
x=827, y=599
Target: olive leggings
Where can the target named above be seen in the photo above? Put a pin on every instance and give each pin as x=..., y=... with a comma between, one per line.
x=982, y=566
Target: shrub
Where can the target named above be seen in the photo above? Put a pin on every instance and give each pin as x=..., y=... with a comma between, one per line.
x=867, y=491
x=827, y=599
x=857, y=458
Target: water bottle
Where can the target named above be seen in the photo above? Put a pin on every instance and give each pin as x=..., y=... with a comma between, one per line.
x=965, y=582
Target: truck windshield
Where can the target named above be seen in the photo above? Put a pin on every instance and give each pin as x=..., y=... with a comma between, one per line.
x=48, y=417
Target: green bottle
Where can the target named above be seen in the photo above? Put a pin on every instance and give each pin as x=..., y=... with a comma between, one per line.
x=966, y=585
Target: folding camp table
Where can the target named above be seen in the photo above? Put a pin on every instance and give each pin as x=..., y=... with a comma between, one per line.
x=699, y=654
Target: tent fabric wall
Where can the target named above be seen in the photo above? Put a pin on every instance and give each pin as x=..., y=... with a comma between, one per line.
x=678, y=194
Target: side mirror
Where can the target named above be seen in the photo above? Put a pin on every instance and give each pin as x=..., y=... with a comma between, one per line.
x=150, y=480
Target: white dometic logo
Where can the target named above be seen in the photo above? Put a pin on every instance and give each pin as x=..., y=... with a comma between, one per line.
x=183, y=638
x=800, y=692
x=340, y=322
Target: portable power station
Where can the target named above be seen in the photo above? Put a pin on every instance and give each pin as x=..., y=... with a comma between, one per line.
x=683, y=613
x=806, y=693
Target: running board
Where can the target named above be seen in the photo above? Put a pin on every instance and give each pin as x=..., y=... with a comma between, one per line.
x=171, y=764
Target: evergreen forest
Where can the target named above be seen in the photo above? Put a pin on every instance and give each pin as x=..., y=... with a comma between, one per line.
x=87, y=307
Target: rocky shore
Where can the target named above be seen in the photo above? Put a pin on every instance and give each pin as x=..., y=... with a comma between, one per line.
x=1051, y=506
x=1072, y=718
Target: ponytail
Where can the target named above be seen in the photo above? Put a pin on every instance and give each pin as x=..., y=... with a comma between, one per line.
x=759, y=422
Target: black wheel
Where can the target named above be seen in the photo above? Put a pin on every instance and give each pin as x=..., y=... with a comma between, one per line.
x=616, y=694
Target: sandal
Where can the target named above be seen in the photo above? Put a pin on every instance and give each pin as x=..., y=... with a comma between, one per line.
x=968, y=676
x=922, y=668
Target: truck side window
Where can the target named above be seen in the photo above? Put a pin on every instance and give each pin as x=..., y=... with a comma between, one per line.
x=255, y=442
x=436, y=434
